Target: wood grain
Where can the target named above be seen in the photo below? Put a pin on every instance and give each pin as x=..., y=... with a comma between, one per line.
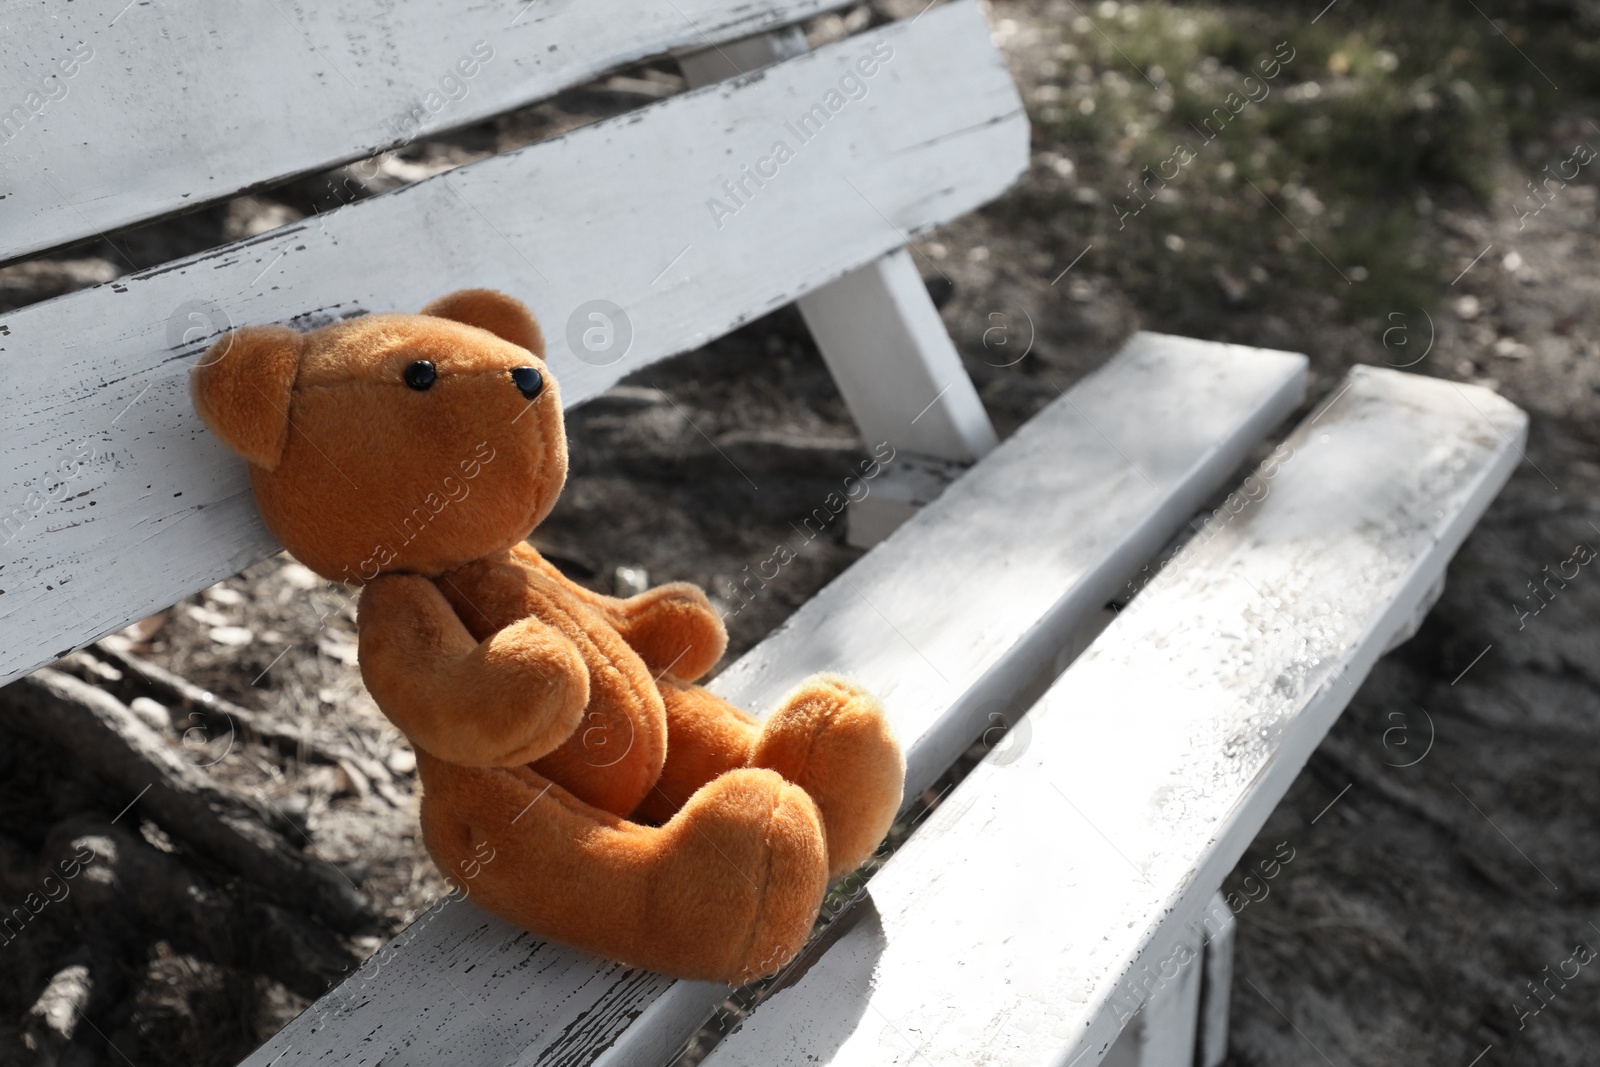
x=1020, y=922
x=114, y=499
x=171, y=105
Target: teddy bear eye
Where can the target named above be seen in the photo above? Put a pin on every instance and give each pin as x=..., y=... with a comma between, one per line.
x=529, y=381
x=420, y=375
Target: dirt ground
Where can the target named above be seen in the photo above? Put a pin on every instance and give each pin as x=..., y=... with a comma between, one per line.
x=1442, y=834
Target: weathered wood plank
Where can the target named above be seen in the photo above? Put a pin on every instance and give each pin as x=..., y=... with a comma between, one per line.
x=114, y=501
x=1152, y=762
x=948, y=621
x=116, y=112
x=898, y=370
x=876, y=327
x=1164, y=1032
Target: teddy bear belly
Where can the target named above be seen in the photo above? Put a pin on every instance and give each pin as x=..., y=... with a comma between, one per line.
x=615, y=755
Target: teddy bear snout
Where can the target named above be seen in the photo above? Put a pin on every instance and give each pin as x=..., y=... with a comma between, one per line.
x=529, y=381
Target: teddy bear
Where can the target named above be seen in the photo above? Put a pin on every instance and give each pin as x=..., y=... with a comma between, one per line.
x=597, y=796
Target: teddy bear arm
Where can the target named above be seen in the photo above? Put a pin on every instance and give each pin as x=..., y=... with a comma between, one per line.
x=672, y=627
x=503, y=701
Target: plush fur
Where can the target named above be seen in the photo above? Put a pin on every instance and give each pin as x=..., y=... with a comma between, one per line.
x=575, y=780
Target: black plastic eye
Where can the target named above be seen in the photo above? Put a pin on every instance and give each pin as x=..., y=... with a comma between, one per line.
x=529, y=381
x=420, y=375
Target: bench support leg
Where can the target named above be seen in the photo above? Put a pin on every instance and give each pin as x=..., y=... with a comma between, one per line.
x=1184, y=1023
x=1413, y=623
x=898, y=370
x=886, y=346
x=1216, y=990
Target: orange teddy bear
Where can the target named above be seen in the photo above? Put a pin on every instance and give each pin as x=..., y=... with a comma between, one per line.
x=630, y=813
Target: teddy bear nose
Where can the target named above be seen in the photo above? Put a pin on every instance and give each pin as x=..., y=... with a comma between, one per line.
x=529, y=381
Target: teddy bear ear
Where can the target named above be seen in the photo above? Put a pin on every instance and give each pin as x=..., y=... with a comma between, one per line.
x=241, y=388
x=487, y=309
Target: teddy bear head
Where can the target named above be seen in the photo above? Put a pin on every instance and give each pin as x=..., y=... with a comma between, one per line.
x=393, y=443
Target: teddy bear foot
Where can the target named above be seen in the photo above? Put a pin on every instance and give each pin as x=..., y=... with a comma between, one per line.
x=726, y=890
x=830, y=737
x=755, y=843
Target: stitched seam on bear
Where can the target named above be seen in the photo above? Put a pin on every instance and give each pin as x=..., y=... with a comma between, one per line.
x=761, y=891
x=823, y=722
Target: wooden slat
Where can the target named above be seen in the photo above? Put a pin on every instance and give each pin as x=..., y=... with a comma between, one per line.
x=895, y=365
x=952, y=617
x=1013, y=927
x=876, y=327
x=614, y=212
x=186, y=101
x=1164, y=1032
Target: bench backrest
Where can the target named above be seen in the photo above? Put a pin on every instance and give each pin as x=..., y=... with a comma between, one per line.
x=114, y=501
x=118, y=112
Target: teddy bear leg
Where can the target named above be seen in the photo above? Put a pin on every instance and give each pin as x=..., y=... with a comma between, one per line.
x=830, y=738
x=726, y=890
x=706, y=736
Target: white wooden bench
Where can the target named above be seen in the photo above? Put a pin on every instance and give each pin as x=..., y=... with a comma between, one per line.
x=1015, y=923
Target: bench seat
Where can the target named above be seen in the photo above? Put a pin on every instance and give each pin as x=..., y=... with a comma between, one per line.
x=988, y=937
x=952, y=621
x=1023, y=921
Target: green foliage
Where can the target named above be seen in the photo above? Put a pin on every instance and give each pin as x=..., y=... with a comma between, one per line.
x=1227, y=157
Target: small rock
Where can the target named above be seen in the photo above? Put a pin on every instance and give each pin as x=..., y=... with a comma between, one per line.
x=221, y=594
x=205, y=616
x=146, y=628
x=296, y=807
x=350, y=780
x=118, y=642
x=1468, y=307
x=827, y=29
x=299, y=576
x=1236, y=289
x=630, y=581
x=152, y=713
x=233, y=636
x=402, y=761
x=339, y=645
x=358, y=871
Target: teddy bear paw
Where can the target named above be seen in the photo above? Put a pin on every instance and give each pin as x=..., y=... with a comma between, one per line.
x=831, y=738
x=747, y=844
